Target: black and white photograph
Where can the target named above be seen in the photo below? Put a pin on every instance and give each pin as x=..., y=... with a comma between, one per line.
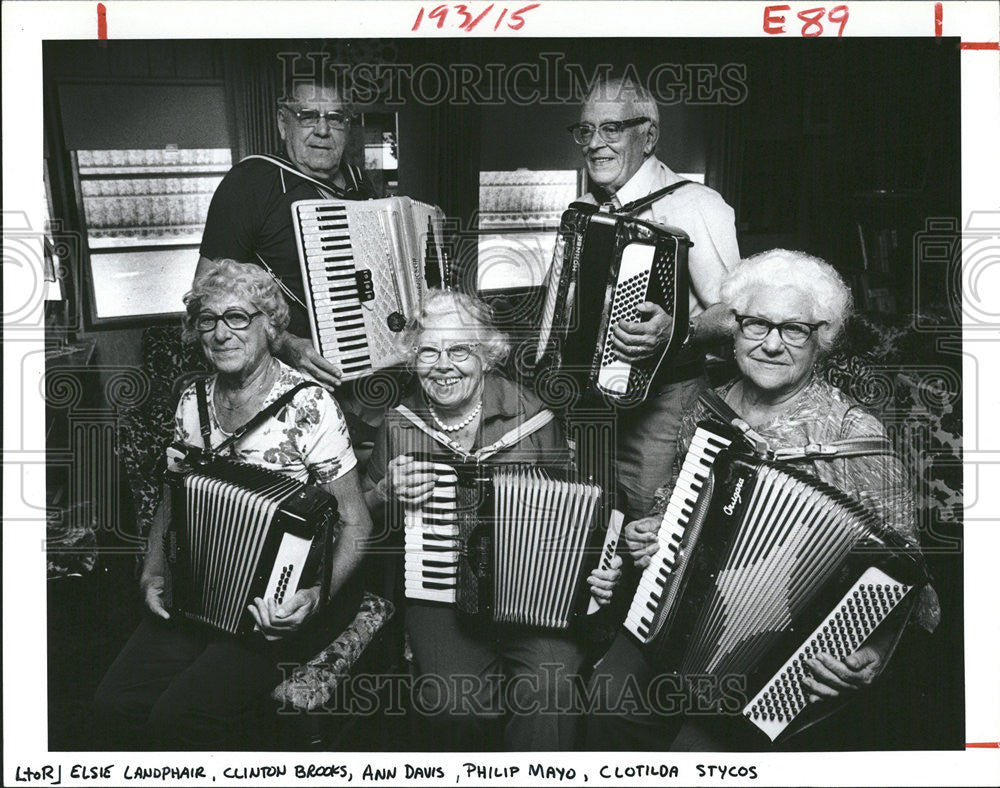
x=457, y=399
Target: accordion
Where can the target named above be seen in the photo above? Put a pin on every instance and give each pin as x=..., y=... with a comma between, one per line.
x=761, y=567
x=237, y=532
x=604, y=266
x=511, y=545
x=365, y=267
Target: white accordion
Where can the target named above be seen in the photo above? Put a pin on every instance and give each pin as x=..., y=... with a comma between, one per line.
x=365, y=268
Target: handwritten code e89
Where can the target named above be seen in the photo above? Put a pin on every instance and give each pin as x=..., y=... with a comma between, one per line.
x=811, y=18
x=467, y=19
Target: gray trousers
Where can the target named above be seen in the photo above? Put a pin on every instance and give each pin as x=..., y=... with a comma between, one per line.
x=647, y=442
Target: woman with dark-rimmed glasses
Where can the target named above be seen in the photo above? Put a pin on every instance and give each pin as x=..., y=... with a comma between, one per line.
x=788, y=311
x=174, y=686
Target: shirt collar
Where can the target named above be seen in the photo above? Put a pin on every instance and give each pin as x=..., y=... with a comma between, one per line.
x=640, y=184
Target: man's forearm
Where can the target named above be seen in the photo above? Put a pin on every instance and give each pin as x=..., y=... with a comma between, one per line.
x=711, y=326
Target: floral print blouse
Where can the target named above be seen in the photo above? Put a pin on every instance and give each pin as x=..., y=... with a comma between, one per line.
x=307, y=439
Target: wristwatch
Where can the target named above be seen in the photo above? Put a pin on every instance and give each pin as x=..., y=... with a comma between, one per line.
x=689, y=339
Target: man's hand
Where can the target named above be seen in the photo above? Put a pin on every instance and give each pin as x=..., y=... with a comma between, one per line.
x=410, y=481
x=830, y=677
x=152, y=591
x=636, y=341
x=642, y=540
x=299, y=352
x=278, y=621
x=603, y=581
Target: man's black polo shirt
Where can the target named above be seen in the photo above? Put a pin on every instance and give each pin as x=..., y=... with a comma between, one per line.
x=251, y=215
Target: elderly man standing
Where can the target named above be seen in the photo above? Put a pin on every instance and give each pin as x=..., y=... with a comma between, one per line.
x=250, y=218
x=617, y=134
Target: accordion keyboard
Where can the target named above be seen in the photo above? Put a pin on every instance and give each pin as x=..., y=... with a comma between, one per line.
x=865, y=605
x=329, y=259
x=432, y=542
x=705, y=447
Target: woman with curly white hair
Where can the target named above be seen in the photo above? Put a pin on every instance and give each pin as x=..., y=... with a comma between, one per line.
x=789, y=310
x=174, y=686
x=463, y=411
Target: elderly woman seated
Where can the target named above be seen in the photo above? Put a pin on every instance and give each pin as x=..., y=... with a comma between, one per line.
x=175, y=686
x=463, y=410
x=789, y=310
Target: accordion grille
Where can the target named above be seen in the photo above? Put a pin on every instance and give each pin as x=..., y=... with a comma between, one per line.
x=376, y=239
x=227, y=524
x=629, y=294
x=793, y=536
x=541, y=529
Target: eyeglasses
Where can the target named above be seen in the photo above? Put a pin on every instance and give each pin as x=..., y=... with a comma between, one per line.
x=337, y=120
x=793, y=333
x=429, y=355
x=611, y=131
x=236, y=319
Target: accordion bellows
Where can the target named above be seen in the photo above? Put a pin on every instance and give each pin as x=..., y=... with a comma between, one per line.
x=516, y=548
x=760, y=568
x=238, y=531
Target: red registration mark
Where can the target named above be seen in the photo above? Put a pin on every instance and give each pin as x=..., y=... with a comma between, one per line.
x=811, y=20
x=466, y=18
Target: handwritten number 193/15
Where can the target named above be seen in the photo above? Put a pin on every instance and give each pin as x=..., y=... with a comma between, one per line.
x=467, y=20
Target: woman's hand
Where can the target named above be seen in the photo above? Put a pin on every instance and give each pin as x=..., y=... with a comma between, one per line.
x=831, y=678
x=278, y=621
x=641, y=539
x=153, y=587
x=603, y=581
x=409, y=480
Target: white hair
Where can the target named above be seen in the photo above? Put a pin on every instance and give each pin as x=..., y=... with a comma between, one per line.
x=627, y=90
x=474, y=316
x=831, y=297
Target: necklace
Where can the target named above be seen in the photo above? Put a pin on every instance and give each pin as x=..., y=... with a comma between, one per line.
x=257, y=390
x=463, y=423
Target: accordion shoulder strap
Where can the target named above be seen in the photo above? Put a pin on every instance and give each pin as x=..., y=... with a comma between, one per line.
x=516, y=435
x=847, y=447
x=637, y=205
x=510, y=438
x=255, y=422
x=326, y=189
x=206, y=427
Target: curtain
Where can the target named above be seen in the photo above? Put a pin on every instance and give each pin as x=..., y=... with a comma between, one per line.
x=724, y=157
x=253, y=84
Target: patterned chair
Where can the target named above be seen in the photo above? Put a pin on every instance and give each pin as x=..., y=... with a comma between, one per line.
x=144, y=431
x=910, y=380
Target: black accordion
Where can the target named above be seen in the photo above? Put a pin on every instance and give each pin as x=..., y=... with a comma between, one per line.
x=761, y=567
x=238, y=531
x=365, y=266
x=604, y=266
x=511, y=545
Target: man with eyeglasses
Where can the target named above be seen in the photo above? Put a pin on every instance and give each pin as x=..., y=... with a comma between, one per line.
x=250, y=218
x=618, y=131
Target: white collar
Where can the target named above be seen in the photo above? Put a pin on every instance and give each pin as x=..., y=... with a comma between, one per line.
x=642, y=182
